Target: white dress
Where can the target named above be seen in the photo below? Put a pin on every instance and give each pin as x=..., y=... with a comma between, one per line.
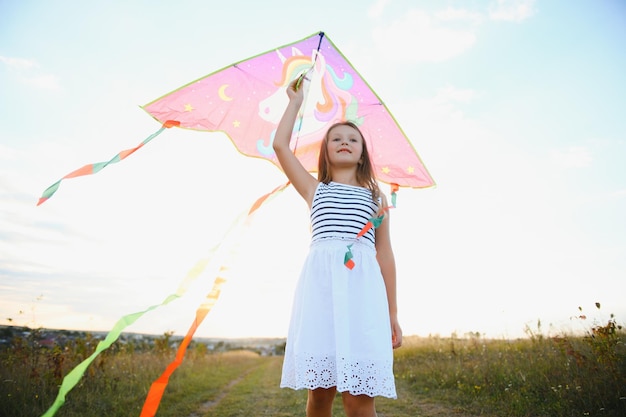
x=340, y=333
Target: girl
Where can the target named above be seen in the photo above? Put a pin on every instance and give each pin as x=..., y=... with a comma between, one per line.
x=344, y=321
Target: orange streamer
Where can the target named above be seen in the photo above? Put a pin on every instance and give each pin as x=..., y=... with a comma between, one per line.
x=155, y=394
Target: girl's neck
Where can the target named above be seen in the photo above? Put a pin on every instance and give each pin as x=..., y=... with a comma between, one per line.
x=345, y=177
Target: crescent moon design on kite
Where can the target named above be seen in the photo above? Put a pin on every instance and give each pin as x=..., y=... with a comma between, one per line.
x=222, y=93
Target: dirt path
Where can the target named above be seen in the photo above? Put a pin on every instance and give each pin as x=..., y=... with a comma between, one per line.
x=207, y=406
x=256, y=393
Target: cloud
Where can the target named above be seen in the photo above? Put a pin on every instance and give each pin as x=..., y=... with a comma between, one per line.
x=453, y=94
x=26, y=71
x=512, y=10
x=454, y=14
x=619, y=193
x=44, y=82
x=420, y=37
x=572, y=157
x=19, y=64
x=376, y=10
x=440, y=35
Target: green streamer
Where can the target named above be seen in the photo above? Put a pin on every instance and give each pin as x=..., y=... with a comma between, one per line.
x=72, y=378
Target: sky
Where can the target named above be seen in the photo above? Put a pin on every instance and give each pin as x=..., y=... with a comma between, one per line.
x=516, y=107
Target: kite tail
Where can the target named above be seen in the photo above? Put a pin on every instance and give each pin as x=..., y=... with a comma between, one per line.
x=373, y=222
x=73, y=377
x=157, y=388
x=96, y=167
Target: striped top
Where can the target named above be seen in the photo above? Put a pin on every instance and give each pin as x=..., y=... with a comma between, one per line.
x=340, y=211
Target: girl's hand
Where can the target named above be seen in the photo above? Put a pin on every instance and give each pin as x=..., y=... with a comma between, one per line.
x=396, y=334
x=295, y=91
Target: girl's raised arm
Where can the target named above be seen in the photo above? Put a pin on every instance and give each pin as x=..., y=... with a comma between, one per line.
x=301, y=179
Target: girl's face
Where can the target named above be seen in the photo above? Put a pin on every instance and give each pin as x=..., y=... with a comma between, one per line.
x=344, y=146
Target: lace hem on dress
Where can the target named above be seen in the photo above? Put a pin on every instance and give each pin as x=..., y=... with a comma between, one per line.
x=369, y=377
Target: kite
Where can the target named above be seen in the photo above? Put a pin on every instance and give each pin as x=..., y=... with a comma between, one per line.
x=245, y=100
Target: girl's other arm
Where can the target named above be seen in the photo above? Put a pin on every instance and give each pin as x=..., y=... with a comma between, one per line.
x=387, y=262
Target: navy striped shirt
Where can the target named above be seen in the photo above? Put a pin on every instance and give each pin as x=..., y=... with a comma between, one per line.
x=340, y=211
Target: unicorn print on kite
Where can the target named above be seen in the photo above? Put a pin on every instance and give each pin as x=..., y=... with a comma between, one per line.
x=326, y=92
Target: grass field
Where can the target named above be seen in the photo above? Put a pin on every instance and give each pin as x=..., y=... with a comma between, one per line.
x=435, y=377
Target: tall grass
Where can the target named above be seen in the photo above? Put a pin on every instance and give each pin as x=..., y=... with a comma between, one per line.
x=565, y=375
x=540, y=376
x=117, y=382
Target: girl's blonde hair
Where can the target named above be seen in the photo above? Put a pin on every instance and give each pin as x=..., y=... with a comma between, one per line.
x=365, y=171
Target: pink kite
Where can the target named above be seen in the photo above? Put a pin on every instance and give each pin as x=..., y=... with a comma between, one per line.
x=245, y=100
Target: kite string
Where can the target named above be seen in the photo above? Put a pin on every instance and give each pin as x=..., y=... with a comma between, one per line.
x=307, y=85
x=301, y=80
